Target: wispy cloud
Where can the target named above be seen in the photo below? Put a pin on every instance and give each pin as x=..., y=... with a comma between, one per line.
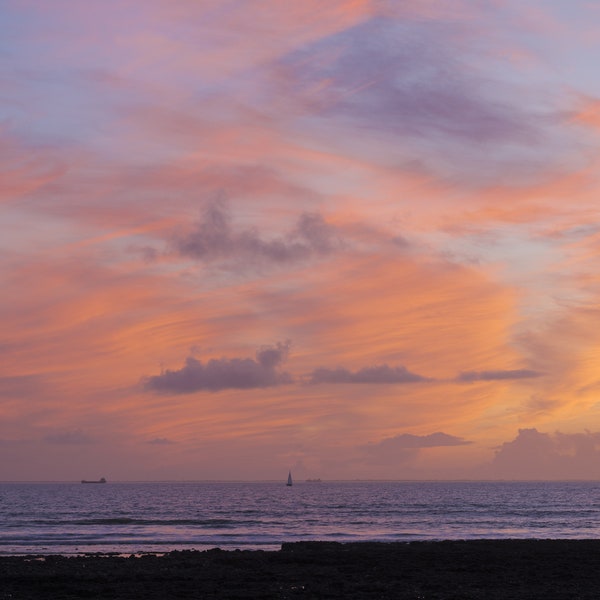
x=378, y=374
x=511, y=374
x=25, y=167
x=433, y=440
x=411, y=79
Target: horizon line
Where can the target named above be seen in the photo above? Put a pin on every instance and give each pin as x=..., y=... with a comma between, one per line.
x=316, y=480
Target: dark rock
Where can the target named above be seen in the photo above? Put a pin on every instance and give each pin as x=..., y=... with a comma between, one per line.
x=490, y=569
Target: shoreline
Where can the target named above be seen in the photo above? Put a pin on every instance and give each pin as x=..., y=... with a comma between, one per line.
x=452, y=569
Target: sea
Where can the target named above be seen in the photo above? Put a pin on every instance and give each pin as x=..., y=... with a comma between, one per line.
x=136, y=518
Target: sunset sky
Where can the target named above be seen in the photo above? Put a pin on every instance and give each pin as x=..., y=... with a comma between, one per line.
x=355, y=239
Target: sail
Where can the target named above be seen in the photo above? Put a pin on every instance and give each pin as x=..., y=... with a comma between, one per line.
x=289, y=481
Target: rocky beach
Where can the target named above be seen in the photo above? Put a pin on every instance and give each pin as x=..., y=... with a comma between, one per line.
x=490, y=569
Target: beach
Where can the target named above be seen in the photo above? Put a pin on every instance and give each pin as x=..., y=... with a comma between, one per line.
x=491, y=569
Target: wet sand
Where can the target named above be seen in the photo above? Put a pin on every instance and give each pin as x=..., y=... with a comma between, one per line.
x=491, y=569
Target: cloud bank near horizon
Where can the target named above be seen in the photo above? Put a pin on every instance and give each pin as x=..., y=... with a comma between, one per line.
x=537, y=455
x=404, y=449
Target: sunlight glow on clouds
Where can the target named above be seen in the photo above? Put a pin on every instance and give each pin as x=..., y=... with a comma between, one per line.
x=407, y=192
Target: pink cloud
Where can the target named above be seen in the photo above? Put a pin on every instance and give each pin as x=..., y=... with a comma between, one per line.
x=25, y=169
x=535, y=455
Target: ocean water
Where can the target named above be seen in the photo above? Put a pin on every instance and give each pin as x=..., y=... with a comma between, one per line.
x=71, y=518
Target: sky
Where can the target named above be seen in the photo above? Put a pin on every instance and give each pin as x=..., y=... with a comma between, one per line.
x=357, y=239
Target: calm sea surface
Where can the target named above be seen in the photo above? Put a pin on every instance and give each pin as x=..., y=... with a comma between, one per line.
x=71, y=518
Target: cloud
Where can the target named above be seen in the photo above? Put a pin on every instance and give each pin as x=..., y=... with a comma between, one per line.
x=24, y=168
x=414, y=80
x=415, y=87
x=406, y=446
x=224, y=373
x=470, y=376
x=536, y=455
x=160, y=442
x=433, y=440
x=376, y=374
x=215, y=239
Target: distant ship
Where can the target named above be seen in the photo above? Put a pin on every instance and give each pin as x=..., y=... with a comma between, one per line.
x=101, y=480
x=289, y=481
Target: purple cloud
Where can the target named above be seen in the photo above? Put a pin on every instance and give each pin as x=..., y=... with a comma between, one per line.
x=412, y=80
x=396, y=76
x=433, y=440
x=377, y=374
x=470, y=376
x=224, y=373
x=215, y=239
x=536, y=455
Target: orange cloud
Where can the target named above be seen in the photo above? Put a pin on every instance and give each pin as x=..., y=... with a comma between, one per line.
x=589, y=113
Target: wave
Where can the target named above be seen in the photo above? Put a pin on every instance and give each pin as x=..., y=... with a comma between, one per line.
x=162, y=516
x=143, y=521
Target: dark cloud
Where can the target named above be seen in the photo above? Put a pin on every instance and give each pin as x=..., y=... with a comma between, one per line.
x=470, y=376
x=215, y=239
x=224, y=373
x=536, y=455
x=160, y=442
x=376, y=374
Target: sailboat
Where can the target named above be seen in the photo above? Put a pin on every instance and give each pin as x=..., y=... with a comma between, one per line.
x=289, y=481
